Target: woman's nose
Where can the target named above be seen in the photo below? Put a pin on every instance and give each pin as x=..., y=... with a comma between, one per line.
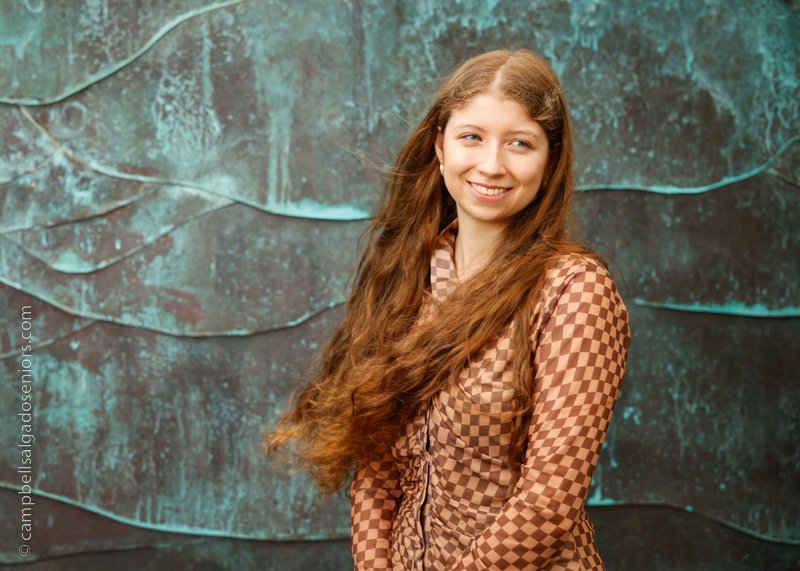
x=491, y=162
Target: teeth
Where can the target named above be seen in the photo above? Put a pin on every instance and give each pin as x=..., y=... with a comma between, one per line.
x=488, y=191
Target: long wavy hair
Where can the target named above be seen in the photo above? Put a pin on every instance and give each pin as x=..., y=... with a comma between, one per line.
x=383, y=363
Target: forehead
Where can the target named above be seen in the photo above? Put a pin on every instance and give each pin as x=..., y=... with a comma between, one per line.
x=493, y=112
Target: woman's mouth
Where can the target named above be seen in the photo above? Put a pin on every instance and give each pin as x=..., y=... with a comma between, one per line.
x=488, y=190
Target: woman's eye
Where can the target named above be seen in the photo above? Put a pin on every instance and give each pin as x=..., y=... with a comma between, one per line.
x=522, y=144
x=470, y=137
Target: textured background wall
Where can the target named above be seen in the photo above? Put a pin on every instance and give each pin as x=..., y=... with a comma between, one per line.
x=180, y=204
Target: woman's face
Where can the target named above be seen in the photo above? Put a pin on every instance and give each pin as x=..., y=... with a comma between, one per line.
x=494, y=158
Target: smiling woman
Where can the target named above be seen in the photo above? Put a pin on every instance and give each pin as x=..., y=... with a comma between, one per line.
x=493, y=157
x=471, y=383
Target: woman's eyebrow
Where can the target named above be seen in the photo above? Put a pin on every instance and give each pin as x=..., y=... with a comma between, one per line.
x=468, y=126
x=530, y=134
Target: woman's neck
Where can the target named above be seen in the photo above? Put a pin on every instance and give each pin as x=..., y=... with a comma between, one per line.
x=475, y=244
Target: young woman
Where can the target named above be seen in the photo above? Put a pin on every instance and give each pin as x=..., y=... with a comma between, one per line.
x=471, y=383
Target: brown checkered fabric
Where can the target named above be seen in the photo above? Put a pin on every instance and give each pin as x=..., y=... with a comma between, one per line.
x=443, y=497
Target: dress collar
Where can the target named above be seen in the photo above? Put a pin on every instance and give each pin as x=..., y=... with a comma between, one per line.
x=443, y=266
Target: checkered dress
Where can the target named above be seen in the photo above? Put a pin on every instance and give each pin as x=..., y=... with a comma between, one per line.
x=443, y=496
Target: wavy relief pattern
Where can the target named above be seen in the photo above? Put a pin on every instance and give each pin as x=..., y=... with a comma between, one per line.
x=163, y=432
x=707, y=422
x=83, y=540
x=730, y=250
x=24, y=150
x=227, y=94
x=96, y=242
x=54, y=325
x=787, y=166
x=100, y=38
x=139, y=186
x=230, y=272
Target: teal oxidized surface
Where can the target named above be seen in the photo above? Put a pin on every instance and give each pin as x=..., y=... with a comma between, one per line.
x=180, y=201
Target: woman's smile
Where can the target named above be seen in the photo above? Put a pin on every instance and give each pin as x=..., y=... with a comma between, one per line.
x=488, y=192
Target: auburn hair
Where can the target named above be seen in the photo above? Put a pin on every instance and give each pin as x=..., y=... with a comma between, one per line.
x=382, y=363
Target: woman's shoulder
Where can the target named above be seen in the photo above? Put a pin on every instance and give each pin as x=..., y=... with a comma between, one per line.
x=567, y=266
x=572, y=275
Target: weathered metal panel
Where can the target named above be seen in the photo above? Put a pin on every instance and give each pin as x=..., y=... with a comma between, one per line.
x=180, y=198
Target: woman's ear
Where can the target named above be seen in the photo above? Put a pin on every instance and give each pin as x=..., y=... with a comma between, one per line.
x=438, y=143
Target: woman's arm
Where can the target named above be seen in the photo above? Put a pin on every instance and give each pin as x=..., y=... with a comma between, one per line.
x=579, y=364
x=374, y=497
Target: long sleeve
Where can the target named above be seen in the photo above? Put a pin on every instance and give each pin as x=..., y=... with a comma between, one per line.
x=579, y=364
x=374, y=496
